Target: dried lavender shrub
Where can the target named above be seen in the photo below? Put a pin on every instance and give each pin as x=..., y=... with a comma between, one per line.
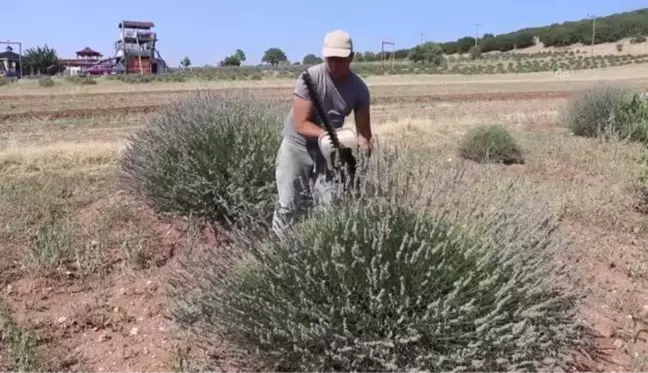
x=209, y=156
x=420, y=271
x=490, y=144
x=590, y=112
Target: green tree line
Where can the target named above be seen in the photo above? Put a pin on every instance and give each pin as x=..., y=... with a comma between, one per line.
x=41, y=60
x=611, y=28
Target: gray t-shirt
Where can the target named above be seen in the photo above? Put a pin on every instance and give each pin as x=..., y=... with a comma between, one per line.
x=336, y=100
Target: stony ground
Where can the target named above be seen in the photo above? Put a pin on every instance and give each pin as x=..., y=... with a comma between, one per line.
x=83, y=270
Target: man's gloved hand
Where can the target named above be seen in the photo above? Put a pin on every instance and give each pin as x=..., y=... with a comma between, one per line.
x=348, y=142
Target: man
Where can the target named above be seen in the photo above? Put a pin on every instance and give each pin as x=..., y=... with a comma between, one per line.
x=301, y=165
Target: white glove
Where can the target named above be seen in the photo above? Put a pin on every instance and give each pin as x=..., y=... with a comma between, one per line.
x=347, y=138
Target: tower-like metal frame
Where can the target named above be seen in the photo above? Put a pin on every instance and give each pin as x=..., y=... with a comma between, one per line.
x=138, y=43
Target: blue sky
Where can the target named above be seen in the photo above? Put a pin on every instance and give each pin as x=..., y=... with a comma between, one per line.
x=207, y=31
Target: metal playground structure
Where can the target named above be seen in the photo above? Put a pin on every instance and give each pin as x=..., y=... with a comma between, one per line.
x=135, y=52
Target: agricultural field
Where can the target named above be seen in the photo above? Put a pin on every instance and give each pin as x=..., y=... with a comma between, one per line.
x=95, y=278
x=560, y=62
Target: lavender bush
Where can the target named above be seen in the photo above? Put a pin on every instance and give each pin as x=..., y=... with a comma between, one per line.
x=210, y=156
x=590, y=112
x=490, y=144
x=421, y=272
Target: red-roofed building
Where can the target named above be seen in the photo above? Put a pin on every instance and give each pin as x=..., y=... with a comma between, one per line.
x=88, y=53
x=85, y=58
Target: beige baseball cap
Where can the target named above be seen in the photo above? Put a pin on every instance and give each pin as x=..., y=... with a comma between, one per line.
x=337, y=43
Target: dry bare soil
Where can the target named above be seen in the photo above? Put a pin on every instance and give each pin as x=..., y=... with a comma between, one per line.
x=83, y=264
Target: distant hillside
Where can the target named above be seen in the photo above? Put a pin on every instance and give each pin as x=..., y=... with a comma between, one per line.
x=612, y=28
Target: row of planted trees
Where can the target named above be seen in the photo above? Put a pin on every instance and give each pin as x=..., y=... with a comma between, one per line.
x=613, y=28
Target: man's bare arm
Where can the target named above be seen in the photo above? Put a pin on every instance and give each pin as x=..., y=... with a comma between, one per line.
x=363, y=126
x=301, y=110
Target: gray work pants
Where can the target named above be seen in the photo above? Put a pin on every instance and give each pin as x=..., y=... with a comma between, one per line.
x=302, y=181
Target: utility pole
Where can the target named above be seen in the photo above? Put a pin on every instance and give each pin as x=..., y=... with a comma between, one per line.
x=477, y=32
x=593, y=17
x=382, y=53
